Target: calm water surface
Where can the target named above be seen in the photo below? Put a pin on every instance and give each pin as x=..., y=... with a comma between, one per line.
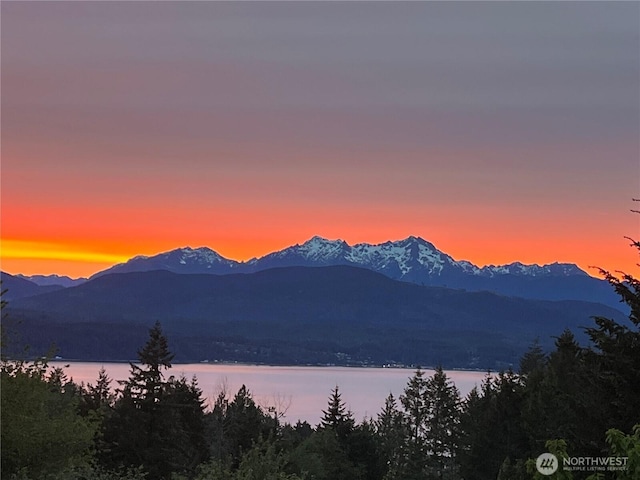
x=304, y=389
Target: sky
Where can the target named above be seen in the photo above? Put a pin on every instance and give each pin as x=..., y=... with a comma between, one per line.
x=499, y=131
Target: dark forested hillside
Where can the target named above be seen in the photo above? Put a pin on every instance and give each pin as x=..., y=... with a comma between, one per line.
x=295, y=315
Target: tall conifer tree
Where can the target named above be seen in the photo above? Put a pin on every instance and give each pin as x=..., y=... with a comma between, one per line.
x=336, y=417
x=144, y=384
x=442, y=402
x=157, y=423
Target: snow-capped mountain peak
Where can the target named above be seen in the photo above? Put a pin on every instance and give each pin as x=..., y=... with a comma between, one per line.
x=533, y=270
x=316, y=251
x=201, y=255
x=180, y=260
x=402, y=256
x=319, y=247
x=411, y=259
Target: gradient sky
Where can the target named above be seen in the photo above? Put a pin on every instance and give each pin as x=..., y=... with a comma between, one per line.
x=498, y=131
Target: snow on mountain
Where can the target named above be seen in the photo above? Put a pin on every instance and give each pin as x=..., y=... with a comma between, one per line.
x=517, y=268
x=202, y=256
x=181, y=260
x=316, y=250
x=393, y=258
x=406, y=254
x=468, y=267
x=411, y=259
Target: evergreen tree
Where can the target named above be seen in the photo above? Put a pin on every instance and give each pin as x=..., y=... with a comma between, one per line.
x=365, y=452
x=491, y=427
x=323, y=457
x=559, y=400
x=215, y=424
x=156, y=423
x=413, y=402
x=392, y=433
x=144, y=386
x=245, y=422
x=511, y=440
x=336, y=417
x=183, y=419
x=615, y=355
x=236, y=425
x=582, y=392
x=442, y=403
x=534, y=359
x=99, y=397
x=474, y=450
x=340, y=448
x=291, y=436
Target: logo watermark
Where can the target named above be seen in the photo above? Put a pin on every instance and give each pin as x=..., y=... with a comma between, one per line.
x=548, y=464
x=595, y=464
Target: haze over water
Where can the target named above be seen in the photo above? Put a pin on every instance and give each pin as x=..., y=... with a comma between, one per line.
x=305, y=389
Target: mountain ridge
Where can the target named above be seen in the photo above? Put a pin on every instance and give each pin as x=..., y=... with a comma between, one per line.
x=324, y=251
x=53, y=280
x=412, y=259
x=17, y=286
x=296, y=315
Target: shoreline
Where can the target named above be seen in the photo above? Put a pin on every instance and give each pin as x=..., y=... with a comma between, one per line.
x=249, y=364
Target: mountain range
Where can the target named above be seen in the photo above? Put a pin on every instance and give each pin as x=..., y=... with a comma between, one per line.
x=412, y=260
x=322, y=302
x=336, y=315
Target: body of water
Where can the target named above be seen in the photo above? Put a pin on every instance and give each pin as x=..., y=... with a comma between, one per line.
x=302, y=391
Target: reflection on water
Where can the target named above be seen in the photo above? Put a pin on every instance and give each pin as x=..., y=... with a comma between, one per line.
x=305, y=389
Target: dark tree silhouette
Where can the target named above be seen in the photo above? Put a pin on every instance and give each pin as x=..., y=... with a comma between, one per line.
x=156, y=423
x=336, y=417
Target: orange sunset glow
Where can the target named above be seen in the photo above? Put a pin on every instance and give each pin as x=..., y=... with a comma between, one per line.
x=248, y=129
